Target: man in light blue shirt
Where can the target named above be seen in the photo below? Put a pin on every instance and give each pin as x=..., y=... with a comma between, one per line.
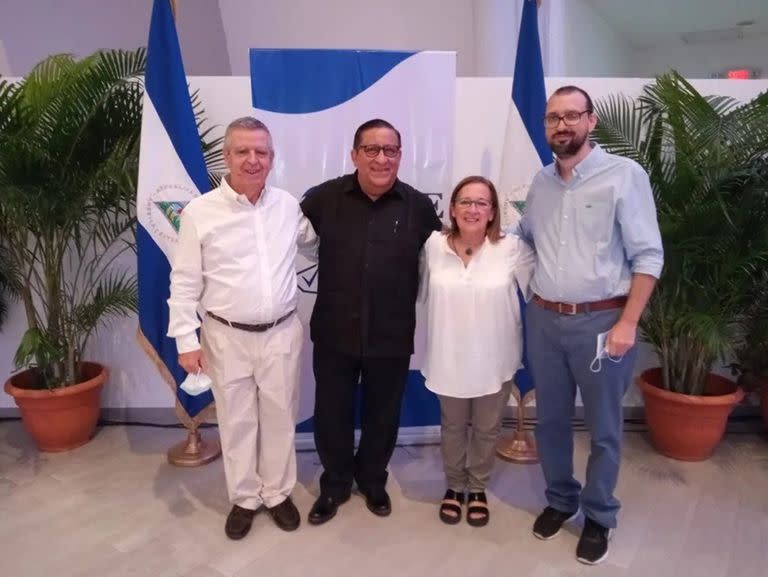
x=590, y=216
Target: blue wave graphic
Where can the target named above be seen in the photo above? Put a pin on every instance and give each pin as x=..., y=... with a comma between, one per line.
x=301, y=81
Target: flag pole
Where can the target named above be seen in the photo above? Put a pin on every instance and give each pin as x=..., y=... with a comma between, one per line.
x=526, y=110
x=194, y=451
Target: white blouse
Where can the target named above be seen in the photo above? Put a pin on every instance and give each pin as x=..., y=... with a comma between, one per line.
x=474, y=328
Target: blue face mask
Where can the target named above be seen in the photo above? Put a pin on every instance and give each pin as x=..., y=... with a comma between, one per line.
x=602, y=353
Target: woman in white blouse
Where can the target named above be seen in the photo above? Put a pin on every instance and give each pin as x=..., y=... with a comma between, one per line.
x=470, y=275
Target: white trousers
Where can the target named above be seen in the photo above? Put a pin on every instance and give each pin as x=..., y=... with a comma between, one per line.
x=256, y=388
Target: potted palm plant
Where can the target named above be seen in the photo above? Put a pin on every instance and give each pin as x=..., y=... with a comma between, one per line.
x=69, y=135
x=706, y=157
x=6, y=285
x=752, y=354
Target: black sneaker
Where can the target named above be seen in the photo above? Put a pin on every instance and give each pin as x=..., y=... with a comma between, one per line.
x=593, y=543
x=550, y=521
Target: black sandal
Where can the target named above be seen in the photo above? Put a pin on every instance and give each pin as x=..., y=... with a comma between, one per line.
x=447, y=507
x=481, y=512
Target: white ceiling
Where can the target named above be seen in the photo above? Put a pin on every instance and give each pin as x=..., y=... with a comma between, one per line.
x=647, y=23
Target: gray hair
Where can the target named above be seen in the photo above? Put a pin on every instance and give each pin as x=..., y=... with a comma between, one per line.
x=247, y=123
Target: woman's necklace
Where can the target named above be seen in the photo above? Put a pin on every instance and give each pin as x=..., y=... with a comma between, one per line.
x=469, y=251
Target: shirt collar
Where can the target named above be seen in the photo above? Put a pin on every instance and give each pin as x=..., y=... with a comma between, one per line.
x=586, y=166
x=230, y=194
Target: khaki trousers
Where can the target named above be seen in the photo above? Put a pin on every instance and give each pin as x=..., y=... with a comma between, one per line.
x=468, y=432
x=256, y=388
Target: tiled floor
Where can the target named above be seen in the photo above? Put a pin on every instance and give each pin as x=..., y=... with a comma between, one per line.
x=115, y=508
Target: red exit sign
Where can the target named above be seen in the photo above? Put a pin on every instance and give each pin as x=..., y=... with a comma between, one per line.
x=739, y=74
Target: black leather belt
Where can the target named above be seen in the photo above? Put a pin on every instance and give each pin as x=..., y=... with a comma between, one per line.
x=250, y=328
x=577, y=308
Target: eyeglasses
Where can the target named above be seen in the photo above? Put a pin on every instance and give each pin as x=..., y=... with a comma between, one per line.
x=569, y=118
x=373, y=150
x=465, y=203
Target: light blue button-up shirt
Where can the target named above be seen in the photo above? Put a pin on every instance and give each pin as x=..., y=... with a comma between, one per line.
x=593, y=232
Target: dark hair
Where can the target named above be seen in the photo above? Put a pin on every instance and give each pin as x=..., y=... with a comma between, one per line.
x=374, y=123
x=570, y=89
x=493, y=230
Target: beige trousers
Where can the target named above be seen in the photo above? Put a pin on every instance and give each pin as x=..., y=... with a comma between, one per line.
x=469, y=429
x=256, y=388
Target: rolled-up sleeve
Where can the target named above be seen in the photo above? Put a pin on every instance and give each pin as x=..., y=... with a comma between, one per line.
x=636, y=215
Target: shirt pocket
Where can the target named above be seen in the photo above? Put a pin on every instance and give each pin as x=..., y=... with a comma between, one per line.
x=595, y=219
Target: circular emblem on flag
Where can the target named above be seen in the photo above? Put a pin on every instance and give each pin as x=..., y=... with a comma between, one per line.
x=162, y=211
x=513, y=203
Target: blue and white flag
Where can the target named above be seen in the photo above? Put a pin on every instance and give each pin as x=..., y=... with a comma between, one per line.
x=525, y=144
x=172, y=172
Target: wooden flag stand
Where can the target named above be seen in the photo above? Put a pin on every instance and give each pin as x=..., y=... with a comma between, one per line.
x=520, y=447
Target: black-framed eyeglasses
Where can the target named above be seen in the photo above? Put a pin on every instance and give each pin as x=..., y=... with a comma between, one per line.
x=570, y=118
x=373, y=150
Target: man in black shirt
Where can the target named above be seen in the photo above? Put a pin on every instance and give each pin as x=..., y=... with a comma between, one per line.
x=371, y=228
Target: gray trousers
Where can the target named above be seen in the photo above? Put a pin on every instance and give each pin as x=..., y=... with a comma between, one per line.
x=560, y=350
x=468, y=432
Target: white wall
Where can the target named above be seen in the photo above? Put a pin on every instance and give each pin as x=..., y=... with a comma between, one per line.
x=5, y=69
x=481, y=108
x=589, y=45
x=366, y=24
x=702, y=60
x=483, y=33
x=215, y=35
x=33, y=29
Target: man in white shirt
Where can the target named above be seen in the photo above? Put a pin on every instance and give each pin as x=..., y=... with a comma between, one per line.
x=235, y=265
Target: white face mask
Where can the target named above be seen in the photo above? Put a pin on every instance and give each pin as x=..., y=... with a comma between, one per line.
x=196, y=384
x=602, y=353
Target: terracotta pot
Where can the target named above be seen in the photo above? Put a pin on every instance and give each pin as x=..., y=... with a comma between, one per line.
x=687, y=427
x=63, y=418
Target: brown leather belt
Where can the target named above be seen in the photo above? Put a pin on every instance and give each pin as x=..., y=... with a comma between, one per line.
x=578, y=308
x=250, y=328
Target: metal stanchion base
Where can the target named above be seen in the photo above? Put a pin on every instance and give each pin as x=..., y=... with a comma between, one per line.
x=194, y=451
x=520, y=447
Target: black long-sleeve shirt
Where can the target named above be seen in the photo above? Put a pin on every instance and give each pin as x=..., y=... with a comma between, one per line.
x=368, y=273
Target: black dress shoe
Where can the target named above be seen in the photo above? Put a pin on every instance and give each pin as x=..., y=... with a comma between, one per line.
x=378, y=502
x=239, y=522
x=325, y=509
x=285, y=515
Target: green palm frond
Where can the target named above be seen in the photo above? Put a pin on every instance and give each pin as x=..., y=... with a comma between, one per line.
x=8, y=285
x=68, y=164
x=114, y=296
x=212, y=147
x=707, y=158
x=69, y=141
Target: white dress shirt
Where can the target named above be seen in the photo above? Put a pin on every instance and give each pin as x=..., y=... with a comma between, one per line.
x=474, y=327
x=235, y=259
